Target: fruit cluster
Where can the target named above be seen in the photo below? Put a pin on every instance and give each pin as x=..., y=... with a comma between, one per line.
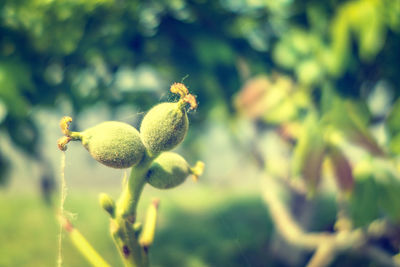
x=120, y=145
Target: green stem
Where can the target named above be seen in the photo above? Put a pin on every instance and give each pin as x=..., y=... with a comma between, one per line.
x=127, y=203
x=132, y=254
x=75, y=136
x=122, y=228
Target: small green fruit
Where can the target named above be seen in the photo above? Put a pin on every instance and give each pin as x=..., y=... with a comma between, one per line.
x=164, y=127
x=114, y=144
x=168, y=170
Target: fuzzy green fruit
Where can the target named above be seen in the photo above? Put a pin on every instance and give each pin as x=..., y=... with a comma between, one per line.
x=164, y=127
x=168, y=170
x=114, y=144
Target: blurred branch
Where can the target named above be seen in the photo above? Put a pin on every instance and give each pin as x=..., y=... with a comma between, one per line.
x=296, y=185
x=379, y=255
x=323, y=256
x=83, y=245
x=343, y=220
x=326, y=245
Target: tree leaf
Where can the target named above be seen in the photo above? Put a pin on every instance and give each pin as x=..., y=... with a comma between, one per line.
x=4, y=169
x=393, y=119
x=395, y=144
x=364, y=206
x=376, y=193
x=309, y=153
x=342, y=168
x=351, y=118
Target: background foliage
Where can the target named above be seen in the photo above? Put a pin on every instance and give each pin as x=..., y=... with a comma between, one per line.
x=308, y=90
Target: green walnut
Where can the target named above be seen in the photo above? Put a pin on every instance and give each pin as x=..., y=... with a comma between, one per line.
x=114, y=144
x=164, y=127
x=168, y=170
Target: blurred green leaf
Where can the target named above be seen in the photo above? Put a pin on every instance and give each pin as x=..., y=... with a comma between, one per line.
x=15, y=80
x=393, y=119
x=328, y=99
x=24, y=134
x=213, y=51
x=337, y=56
x=351, y=118
x=4, y=169
x=371, y=32
x=309, y=72
x=364, y=204
x=376, y=192
x=228, y=239
x=395, y=144
x=284, y=55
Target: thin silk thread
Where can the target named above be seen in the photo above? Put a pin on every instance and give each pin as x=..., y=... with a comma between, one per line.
x=63, y=191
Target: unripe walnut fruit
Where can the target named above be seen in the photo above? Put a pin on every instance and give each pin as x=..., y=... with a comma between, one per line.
x=114, y=144
x=168, y=170
x=164, y=127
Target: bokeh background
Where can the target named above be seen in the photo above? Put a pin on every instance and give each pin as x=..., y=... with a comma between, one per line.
x=305, y=93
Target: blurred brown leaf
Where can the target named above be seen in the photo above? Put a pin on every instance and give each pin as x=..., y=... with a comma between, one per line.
x=342, y=169
x=249, y=101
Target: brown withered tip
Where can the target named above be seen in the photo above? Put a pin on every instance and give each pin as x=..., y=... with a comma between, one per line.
x=156, y=202
x=180, y=89
x=66, y=224
x=62, y=142
x=191, y=100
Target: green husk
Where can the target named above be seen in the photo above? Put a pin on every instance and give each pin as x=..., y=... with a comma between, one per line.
x=114, y=144
x=164, y=127
x=168, y=170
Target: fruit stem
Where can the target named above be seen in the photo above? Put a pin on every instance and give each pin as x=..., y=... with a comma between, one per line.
x=126, y=207
x=122, y=228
